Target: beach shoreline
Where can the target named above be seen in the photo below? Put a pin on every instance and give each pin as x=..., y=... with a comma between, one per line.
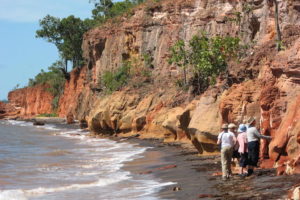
x=197, y=177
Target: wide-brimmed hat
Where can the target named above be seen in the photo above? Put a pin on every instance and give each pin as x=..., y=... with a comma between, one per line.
x=251, y=120
x=242, y=128
x=231, y=125
x=224, y=126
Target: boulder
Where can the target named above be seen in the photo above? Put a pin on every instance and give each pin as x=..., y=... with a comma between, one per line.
x=70, y=118
x=38, y=123
x=83, y=124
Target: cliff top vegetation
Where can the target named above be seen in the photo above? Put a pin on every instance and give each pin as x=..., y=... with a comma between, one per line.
x=67, y=34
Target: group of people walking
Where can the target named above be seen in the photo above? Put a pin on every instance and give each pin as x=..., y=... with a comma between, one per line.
x=242, y=144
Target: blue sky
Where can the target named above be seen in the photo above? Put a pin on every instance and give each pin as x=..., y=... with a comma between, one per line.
x=22, y=55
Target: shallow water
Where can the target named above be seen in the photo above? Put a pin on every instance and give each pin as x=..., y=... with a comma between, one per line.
x=49, y=163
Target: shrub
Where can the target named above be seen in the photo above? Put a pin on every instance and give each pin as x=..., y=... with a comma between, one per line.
x=108, y=9
x=113, y=81
x=148, y=59
x=205, y=56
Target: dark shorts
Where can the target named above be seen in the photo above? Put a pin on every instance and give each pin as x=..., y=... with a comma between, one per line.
x=253, y=153
x=236, y=154
x=244, y=159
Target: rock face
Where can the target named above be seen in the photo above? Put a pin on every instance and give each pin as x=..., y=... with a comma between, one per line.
x=69, y=101
x=8, y=110
x=31, y=101
x=264, y=84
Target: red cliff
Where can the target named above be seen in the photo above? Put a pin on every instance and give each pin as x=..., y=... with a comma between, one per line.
x=31, y=101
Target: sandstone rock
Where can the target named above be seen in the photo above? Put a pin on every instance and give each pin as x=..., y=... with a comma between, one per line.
x=9, y=111
x=38, y=123
x=171, y=122
x=83, y=124
x=73, y=91
x=285, y=140
x=31, y=100
x=204, y=125
x=70, y=118
x=296, y=193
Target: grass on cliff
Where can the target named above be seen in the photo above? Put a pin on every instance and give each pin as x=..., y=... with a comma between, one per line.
x=113, y=81
x=134, y=73
x=108, y=10
x=47, y=115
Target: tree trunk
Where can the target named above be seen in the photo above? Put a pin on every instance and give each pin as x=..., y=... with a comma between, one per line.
x=278, y=33
x=66, y=65
x=184, y=74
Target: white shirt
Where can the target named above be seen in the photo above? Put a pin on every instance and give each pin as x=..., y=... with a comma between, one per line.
x=226, y=139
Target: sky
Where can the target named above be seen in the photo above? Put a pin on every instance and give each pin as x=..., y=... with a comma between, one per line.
x=22, y=56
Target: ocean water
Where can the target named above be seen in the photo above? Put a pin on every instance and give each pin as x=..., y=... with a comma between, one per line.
x=48, y=163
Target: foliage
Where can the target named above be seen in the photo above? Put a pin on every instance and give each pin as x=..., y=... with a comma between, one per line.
x=54, y=78
x=113, y=81
x=180, y=56
x=66, y=34
x=247, y=8
x=237, y=17
x=148, y=59
x=206, y=57
x=16, y=87
x=47, y=115
x=179, y=83
x=106, y=9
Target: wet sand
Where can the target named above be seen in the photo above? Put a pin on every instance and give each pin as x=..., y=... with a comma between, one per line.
x=198, y=177
x=173, y=164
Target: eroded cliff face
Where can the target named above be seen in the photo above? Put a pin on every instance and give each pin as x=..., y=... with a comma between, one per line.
x=7, y=109
x=73, y=89
x=31, y=101
x=264, y=84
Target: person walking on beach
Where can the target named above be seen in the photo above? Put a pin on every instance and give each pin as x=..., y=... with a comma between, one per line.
x=235, y=153
x=253, y=137
x=227, y=140
x=243, y=148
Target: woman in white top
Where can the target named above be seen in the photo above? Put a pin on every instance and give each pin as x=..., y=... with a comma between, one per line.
x=227, y=140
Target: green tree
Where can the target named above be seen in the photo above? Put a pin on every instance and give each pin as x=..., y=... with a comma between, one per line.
x=180, y=56
x=106, y=9
x=102, y=9
x=121, y=7
x=66, y=34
